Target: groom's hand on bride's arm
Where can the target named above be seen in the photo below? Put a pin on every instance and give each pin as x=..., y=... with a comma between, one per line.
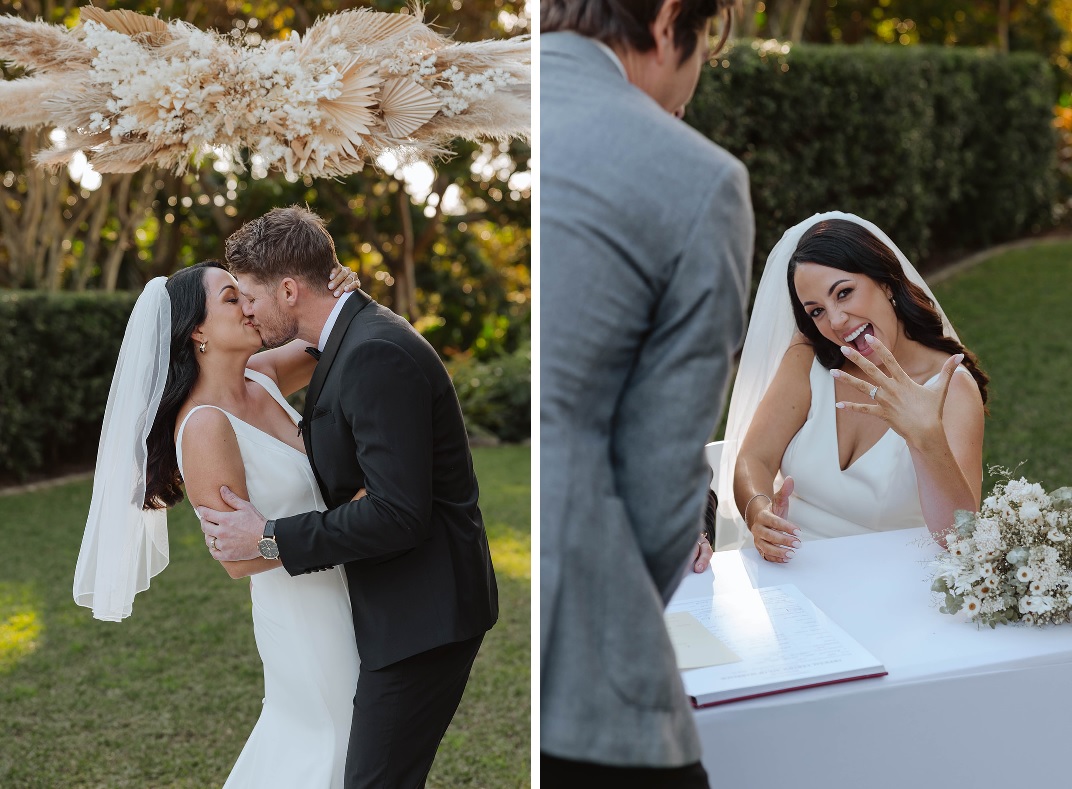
x=236, y=533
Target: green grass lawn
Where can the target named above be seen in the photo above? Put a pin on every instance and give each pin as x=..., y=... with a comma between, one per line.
x=167, y=697
x=1014, y=311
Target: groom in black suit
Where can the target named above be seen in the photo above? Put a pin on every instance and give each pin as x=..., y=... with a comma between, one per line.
x=384, y=433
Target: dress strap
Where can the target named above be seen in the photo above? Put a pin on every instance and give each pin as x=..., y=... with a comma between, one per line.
x=273, y=389
x=182, y=427
x=960, y=369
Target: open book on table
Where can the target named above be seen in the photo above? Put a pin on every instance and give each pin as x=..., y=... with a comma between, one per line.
x=761, y=641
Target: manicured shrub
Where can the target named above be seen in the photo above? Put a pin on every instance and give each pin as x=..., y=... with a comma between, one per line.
x=946, y=149
x=58, y=354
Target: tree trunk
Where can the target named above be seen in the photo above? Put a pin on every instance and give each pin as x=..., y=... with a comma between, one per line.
x=744, y=23
x=407, y=286
x=1003, y=26
x=796, y=33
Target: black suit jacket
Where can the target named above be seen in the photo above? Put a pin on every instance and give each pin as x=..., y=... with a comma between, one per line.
x=381, y=413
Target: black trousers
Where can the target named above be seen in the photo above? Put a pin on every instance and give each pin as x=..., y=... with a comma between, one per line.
x=401, y=713
x=556, y=772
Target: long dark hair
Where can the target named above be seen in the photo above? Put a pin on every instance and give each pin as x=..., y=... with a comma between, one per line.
x=848, y=246
x=189, y=308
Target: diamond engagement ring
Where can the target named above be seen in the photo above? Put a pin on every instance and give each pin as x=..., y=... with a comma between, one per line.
x=873, y=392
x=214, y=546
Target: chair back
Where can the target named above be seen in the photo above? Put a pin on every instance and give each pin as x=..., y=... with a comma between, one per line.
x=713, y=453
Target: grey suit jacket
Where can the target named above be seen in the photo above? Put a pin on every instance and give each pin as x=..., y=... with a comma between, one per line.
x=647, y=235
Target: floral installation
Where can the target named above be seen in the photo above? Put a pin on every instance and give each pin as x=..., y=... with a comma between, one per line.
x=1012, y=560
x=136, y=91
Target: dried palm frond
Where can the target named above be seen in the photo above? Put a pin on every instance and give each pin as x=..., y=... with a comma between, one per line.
x=349, y=111
x=406, y=106
x=355, y=29
x=153, y=30
x=137, y=91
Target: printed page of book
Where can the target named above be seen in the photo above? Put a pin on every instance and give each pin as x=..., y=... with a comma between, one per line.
x=783, y=640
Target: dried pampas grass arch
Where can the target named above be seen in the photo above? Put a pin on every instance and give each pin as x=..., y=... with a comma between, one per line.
x=135, y=91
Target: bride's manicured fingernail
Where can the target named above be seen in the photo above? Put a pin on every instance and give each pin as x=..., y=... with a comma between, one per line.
x=870, y=339
x=835, y=373
x=795, y=543
x=839, y=405
x=846, y=350
x=960, y=358
x=790, y=553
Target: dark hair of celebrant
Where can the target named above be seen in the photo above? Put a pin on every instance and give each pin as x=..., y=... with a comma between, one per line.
x=189, y=309
x=848, y=246
x=627, y=23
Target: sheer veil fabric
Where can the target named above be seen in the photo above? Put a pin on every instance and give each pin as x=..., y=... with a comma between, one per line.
x=770, y=331
x=124, y=546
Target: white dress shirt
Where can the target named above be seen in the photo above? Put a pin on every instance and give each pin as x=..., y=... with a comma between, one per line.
x=330, y=324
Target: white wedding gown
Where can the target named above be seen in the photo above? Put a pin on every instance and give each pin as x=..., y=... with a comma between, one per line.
x=304, y=632
x=877, y=492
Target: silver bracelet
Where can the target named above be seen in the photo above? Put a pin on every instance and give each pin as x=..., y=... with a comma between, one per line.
x=746, y=506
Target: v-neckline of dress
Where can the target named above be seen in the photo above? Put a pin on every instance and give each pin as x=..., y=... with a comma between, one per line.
x=879, y=440
x=255, y=379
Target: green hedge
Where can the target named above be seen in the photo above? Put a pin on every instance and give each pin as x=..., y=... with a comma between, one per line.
x=945, y=149
x=495, y=393
x=58, y=354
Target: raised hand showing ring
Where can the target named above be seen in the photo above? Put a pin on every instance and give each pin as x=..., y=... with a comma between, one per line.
x=913, y=411
x=776, y=539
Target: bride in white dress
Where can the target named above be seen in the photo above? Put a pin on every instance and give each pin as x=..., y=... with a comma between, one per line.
x=189, y=396
x=855, y=409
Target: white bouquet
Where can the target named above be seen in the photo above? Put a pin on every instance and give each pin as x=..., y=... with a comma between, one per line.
x=1012, y=560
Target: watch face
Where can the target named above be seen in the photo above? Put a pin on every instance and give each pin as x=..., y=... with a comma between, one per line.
x=269, y=548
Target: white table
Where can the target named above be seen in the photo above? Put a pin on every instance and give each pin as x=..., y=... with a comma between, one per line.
x=961, y=706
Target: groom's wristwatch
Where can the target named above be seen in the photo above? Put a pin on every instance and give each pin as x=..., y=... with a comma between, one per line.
x=269, y=548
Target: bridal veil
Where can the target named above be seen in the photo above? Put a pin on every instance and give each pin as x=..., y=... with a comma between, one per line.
x=124, y=545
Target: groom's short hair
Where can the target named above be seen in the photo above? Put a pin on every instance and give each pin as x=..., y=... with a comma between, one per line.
x=627, y=23
x=285, y=242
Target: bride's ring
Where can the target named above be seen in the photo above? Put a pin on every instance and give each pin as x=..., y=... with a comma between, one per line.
x=215, y=547
x=873, y=392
